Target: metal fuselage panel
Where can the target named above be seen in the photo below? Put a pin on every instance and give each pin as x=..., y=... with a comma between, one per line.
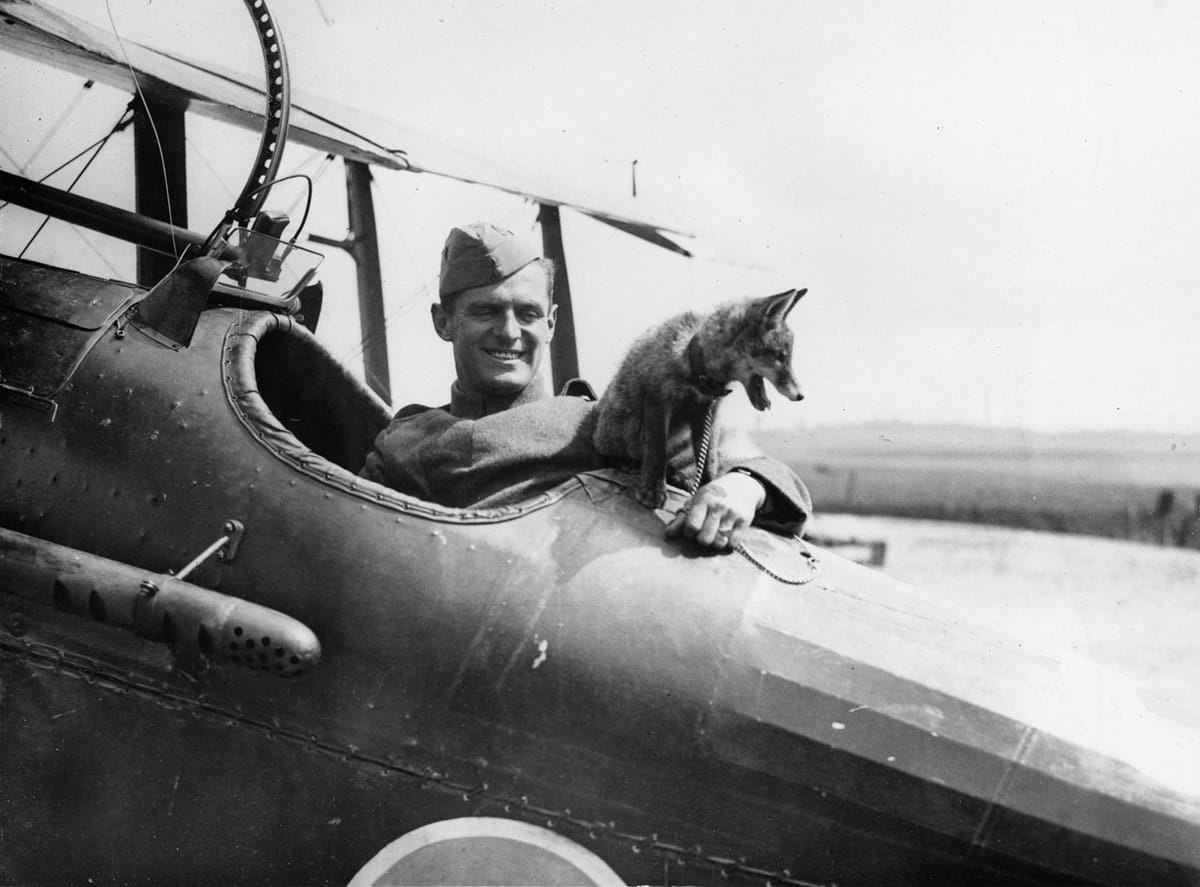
x=465, y=668
x=563, y=665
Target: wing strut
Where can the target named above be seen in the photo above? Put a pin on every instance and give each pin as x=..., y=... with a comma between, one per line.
x=160, y=178
x=364, y=247
x=362, y=243
x=564, y=353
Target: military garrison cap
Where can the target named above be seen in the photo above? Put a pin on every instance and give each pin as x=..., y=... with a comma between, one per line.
x=481, y=254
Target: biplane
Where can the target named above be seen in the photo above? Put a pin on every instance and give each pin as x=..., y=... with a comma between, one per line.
x=226, y=658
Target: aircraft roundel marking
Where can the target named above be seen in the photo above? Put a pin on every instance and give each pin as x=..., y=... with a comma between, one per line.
x=484, y=850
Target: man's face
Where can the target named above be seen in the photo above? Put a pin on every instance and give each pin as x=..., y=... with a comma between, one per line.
x=499, y=332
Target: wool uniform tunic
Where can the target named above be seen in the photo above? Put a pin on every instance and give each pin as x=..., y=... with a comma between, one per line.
x=489, y=452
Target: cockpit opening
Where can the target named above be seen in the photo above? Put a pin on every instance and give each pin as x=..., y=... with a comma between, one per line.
x=304, y=389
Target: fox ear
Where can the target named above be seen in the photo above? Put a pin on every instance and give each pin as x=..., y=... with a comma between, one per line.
x=776, y=308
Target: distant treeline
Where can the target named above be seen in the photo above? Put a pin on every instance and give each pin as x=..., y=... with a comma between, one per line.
x=1139, y=487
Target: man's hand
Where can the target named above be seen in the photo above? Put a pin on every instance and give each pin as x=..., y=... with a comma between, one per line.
x=718, y=511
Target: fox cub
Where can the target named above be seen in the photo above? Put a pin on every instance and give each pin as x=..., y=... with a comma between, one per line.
x=663, y=388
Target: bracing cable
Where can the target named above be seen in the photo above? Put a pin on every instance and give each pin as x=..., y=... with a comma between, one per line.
x=58, y=124
x=122, y=124
x=162, y=160
x=99, y=146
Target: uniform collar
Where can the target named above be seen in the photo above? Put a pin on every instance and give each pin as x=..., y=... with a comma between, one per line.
x=464, y=405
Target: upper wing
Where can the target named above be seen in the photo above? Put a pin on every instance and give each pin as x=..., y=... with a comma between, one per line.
x=56, y=38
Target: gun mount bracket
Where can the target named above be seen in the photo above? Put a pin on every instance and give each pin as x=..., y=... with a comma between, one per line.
x=225, y=548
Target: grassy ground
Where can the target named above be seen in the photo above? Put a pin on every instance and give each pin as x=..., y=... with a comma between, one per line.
x=1132, y=607
x=955, y=507
x=1141, y=487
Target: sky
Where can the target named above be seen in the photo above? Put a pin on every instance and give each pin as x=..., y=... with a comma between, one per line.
x=994, y=206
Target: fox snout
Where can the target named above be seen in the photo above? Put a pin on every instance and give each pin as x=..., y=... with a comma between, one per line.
x=789, y=388
x=785, y=384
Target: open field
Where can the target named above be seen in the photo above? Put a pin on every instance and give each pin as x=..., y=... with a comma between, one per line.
x=958, y=510
x=1114, y=485
x=1131, y=607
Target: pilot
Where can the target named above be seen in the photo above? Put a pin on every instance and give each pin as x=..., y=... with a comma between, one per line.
x=502, y=440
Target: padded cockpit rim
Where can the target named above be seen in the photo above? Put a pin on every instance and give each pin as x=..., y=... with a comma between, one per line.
x=241, y=389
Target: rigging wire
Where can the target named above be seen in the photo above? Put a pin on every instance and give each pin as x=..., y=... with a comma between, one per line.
x=315, y=176
x=224, y=224
x=116, y=272
x=67, y=112
x=323, y=162
x=99, y=146
x=150, y=119
x=355, y=351
x=11, y=159
x=194, y=151
x=122, y=124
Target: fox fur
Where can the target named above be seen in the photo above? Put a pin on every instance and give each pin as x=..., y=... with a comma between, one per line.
x=662, y=390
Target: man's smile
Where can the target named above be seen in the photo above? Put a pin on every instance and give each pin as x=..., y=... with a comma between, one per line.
x=500, y=332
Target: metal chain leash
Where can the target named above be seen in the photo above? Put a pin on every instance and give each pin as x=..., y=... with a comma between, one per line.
x=805, y=552
x=705, y=443
x=740, y=548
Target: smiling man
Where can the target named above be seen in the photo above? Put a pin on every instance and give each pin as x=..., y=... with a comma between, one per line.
x=500, y=330
x=501, y=440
